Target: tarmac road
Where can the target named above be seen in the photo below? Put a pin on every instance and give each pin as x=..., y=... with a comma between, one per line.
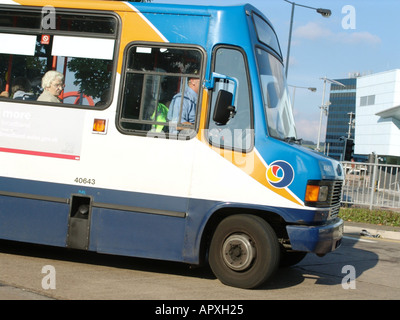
x=85, y=276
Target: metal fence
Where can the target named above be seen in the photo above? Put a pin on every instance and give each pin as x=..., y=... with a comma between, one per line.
x=371, y=184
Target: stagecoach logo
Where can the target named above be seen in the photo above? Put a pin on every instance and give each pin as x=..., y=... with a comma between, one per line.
x=280, y=174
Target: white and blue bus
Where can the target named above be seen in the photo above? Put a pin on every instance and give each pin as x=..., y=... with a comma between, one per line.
x=106, y=165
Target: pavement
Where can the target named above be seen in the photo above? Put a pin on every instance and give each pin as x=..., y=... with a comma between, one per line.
x=12, y=293
x=371, y=230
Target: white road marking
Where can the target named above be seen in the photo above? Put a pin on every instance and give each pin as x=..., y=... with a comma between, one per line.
x=360, y=239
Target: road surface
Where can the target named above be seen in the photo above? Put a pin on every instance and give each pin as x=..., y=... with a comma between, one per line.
x=362, y=268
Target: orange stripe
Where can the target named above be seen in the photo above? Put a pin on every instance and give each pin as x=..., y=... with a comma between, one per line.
x=250, y=162
x=259, y=173
x=252, y=165
x=203, y=116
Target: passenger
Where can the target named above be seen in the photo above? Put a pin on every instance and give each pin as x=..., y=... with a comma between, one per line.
x=188, y=113
x=159, y=115
x=3, y=94
x=21, y=89
x=53, y=85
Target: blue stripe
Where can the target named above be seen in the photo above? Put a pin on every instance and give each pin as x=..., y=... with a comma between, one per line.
x=128, y=231
x=33, y=221
x=137, y=234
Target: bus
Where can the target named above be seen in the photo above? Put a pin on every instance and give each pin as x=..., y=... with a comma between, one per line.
x=158, y=131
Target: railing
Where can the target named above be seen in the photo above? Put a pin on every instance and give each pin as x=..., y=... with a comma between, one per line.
x=371, y=184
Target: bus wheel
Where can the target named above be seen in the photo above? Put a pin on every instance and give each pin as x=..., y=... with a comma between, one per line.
x=244, y=251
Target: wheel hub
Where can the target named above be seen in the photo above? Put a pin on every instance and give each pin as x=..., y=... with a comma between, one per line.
x=238, y=251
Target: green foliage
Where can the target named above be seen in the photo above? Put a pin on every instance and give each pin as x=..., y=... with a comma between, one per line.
x=375, y=216
x=92, y=76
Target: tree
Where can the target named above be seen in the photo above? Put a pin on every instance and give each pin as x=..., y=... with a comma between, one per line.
x=92, y=76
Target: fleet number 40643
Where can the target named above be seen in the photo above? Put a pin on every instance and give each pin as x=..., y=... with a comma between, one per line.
x=85, y=181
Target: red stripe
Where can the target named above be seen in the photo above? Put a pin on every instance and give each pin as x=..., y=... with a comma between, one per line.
x=42, y=154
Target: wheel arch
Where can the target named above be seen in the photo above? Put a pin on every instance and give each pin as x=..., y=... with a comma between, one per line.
x=273, y=218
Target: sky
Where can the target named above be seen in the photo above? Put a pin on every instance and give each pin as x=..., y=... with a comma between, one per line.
x=361, y=36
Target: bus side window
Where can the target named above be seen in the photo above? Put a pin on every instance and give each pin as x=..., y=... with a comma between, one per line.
x=84, y=57
x=236, y=134
x=155, y=79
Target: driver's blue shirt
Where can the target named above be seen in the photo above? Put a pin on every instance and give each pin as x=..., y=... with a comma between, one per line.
x=188, y=108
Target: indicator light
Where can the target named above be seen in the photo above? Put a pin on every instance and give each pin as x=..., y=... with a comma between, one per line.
x=316, y=193
x=100, y=126
x=312, y=193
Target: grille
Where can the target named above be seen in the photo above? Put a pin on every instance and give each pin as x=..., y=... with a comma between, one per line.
x=336, y=193
x=335, y=198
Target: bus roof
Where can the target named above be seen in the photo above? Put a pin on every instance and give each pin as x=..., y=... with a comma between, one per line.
x=197, y=24
x=122, y=6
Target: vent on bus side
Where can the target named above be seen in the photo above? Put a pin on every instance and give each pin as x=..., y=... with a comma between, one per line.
x=79, y=223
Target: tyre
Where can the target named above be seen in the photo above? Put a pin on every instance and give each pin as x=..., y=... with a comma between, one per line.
x=244, y=251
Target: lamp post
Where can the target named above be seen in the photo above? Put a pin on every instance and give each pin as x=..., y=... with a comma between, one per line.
x=324, y=12
x=312, y=89
x=324, y=107
x=351, y=124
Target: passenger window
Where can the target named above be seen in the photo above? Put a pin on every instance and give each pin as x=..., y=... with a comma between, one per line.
x=161, y=91
x=237, y=133
x=70, y=64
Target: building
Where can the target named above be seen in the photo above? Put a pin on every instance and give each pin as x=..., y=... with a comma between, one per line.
x=377, y=127
x=340, y=117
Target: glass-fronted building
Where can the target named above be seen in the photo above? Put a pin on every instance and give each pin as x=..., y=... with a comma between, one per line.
x=341, y=117
x=375, y=100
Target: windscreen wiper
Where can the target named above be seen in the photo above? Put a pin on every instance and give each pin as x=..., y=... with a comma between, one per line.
x=293, y=140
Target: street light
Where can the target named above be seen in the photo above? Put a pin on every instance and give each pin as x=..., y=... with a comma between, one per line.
x=324, y=107
x=351, y=124
x=312, y=89
x=324, y=12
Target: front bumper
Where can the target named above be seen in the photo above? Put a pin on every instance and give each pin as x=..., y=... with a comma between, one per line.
x=317, y=239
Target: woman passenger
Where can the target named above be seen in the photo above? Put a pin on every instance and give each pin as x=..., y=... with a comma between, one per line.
x=53, y=85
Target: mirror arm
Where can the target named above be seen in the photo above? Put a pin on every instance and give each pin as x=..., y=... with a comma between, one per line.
x=209, y=84
x=232, y=111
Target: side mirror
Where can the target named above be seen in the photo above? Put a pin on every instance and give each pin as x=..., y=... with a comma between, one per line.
x=223, y=107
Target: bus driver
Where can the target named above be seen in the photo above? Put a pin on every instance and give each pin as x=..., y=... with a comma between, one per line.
x=188, y=106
